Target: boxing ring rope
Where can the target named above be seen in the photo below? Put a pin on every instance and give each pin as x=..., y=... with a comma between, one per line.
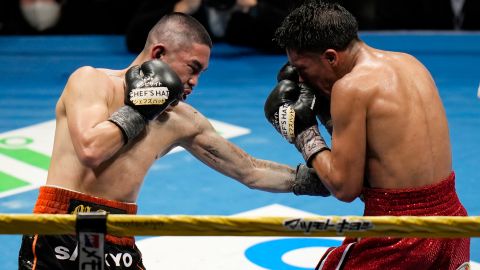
x=178, y=225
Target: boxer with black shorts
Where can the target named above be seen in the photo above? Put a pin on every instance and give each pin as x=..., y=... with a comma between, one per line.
x=111, y=126
x=390, y=142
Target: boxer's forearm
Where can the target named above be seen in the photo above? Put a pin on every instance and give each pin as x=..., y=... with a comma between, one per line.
x=270, y=176
x=230, y=160
x=98, y=144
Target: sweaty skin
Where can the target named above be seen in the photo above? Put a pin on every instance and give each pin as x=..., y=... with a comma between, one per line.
x=390, y=127
x=89, y=155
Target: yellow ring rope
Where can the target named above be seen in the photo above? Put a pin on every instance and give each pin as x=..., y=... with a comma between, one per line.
x=177, y=225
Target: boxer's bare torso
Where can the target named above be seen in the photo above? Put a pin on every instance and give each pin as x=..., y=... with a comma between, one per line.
x=390, y=127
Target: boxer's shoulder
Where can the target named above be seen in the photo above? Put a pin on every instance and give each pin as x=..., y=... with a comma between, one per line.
x=183, y=119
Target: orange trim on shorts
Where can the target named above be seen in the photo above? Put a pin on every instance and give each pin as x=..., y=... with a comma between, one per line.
x=34, y=252
x=55, y=200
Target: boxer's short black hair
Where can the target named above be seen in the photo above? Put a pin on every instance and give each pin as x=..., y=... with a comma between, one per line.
x=317, y=26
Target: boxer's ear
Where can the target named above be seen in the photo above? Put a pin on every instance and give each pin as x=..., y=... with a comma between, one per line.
x=158, y=51
x=331, y=56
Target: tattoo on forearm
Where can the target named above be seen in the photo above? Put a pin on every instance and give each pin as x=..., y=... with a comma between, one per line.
x=212, y=154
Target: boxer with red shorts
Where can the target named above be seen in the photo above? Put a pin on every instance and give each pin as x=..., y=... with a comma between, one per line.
x=404, y=253
x=389, y=132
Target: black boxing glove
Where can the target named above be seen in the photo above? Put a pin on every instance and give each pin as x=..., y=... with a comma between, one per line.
x=288, y=72
x=149, y=90
x=290, y=109
x=309, y=141
x=322, y=108
x=307, y=183
x=279, y=110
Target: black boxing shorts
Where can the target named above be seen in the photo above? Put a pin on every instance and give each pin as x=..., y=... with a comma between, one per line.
x=52, y=252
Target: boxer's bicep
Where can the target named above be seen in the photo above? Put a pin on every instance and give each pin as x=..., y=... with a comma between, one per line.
x=85, y=99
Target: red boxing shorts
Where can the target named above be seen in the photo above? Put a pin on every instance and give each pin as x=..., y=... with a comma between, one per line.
x=61, y=251
x=404, y=253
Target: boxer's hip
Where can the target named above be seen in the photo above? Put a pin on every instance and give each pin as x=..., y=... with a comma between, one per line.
x=61, y=251
x=55, y=200
x=404, y=253
x=433, y=200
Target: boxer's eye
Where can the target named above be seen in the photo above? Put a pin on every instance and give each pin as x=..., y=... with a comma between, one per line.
x=196, y=67
x=193, y=70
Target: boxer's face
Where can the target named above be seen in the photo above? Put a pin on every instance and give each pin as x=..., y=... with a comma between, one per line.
x=314, y=69
x=189, y=62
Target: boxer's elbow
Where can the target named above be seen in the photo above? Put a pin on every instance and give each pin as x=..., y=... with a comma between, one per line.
x=89, y=154
x=92, y=150
x=346, y=191
x=345, y=196
x=90, y=157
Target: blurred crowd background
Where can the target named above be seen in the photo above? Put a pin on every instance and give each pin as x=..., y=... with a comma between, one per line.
x=238, y=22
